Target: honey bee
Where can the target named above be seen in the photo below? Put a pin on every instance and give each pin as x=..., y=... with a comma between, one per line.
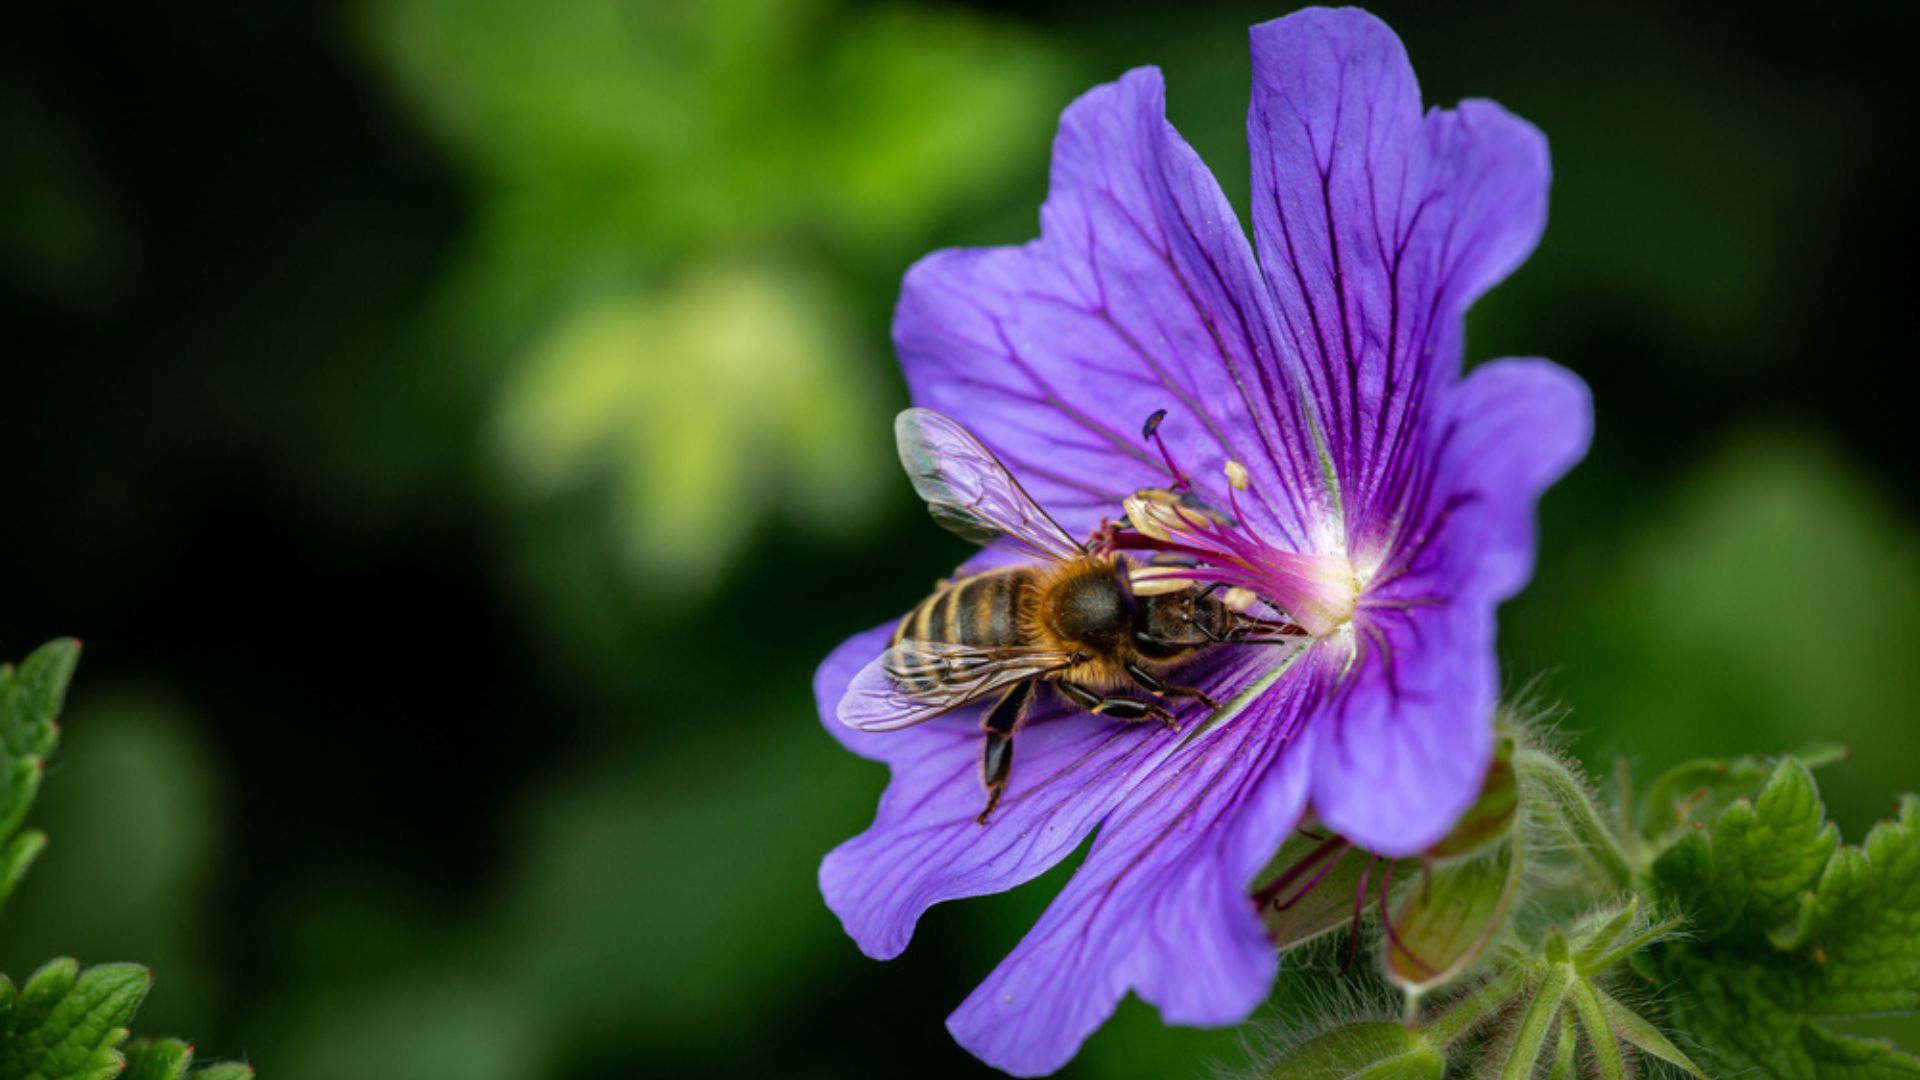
x=1072, y=620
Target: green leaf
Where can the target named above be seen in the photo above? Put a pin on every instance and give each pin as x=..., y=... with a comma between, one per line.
x=30, y=700
x=1855, y=1057
x=224, y=1071
x=1792, y=932
x=1369, y=1051
x=1697, y=791
x=67, y=1024
x=171, y=1059
x=16, y=857
x=64, y=1023
x=162, y=1059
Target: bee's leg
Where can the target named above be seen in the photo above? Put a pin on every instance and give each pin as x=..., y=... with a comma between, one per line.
x=996, y=754
x=1120, y=708
x=1158, y=688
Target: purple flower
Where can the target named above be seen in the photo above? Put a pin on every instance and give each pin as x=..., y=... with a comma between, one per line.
x=1384, y=502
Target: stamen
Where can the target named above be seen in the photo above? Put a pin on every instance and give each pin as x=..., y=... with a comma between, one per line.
x=1282, y=905
x=1359, y=909
x=1151, y=430
x=1279, y=885
x=1316, y=592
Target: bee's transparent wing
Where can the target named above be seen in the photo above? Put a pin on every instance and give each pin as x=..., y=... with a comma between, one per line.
x=969, y=491
x=915, y=681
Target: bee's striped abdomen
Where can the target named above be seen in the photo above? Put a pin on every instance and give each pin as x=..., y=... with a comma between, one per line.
x=983, y=610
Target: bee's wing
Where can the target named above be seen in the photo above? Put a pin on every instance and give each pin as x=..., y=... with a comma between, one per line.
x=969, y=491
x=916, y=681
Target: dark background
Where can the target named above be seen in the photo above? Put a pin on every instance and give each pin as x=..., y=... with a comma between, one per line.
x=458, y=429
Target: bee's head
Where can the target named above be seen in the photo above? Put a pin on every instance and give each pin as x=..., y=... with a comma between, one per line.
x=1171, y=623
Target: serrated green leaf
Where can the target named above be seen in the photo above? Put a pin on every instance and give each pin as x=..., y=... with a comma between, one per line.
x=16, y=857
x=30, y=699
x=1768, y=853
x=68, y=1024
x=1861, y=925
x=1697, y=791
x=65, y=1023
x=1856, y=1058
x=157, y=1059
x=19, y=784
x=1791, y=932
x=1684, y=871
x=171, y=1059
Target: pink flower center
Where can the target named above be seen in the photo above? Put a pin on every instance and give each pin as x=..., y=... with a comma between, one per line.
x=1316, y=591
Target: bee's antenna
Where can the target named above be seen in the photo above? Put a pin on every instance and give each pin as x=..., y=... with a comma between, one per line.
x=1151, y=430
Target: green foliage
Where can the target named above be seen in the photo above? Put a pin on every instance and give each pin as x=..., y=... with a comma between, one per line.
x=1754, y=933
x=1484, y=986
x=30, y=700
x=1376, y=1050
x=1443, y=928
x=65, y=1023
x=68, y=1023
x=659, y=294
x=1794, y=933
x=1544, y=1003
x=171, y=1059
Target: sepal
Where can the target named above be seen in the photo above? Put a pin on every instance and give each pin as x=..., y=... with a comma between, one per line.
x=1376, y=1050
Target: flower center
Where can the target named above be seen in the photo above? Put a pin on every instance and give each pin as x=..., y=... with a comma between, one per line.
x=1317, y=591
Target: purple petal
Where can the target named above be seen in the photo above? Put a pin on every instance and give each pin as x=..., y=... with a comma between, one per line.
x=1160, y=906
x=924, y=845
x=1511, y=429
x=1377, y=226
x=1404, y=747
x=1406, y=741
x=1141, y=294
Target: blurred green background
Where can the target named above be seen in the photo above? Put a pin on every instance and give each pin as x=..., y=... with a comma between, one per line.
x=458, y=429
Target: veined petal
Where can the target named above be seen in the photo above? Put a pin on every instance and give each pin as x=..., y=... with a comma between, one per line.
x=1141, y=294
x=924, y=845
x=1377, y=226
x=1160, y=905
x=1405, y=744
x=1503, y=436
